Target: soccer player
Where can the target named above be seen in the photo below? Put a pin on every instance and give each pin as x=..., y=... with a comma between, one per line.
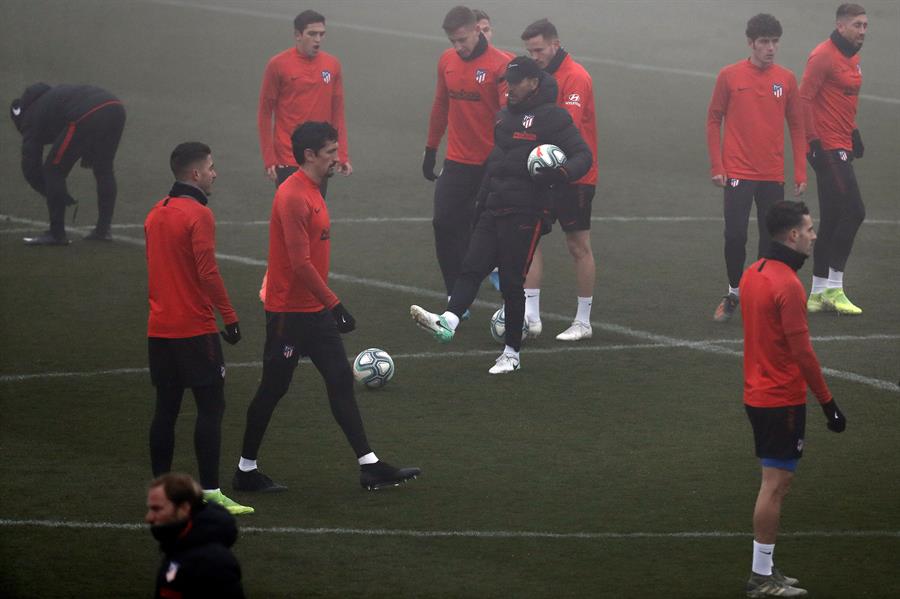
x=304, y=317
x=185, y=288
x=467, y=97
x=195, y=538
x=81, y=122
x=303, y=83
x=779, y=363
x=753, y=98
x=483, y=23
x=830, y=93
x=571, y=203
x=513, y=207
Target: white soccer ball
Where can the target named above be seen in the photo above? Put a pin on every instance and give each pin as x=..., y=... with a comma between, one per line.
x=546, y=155
x=373, y=368
x=498, y=326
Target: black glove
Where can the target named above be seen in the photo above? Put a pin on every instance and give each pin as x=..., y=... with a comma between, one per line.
x=837, y=422
x=345, y=321
x=232, y=333
x=548, y=177
x=428, y=163
x=858, y=148
x=816, y=155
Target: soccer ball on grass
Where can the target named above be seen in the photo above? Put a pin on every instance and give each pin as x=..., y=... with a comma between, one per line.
x=373, y=368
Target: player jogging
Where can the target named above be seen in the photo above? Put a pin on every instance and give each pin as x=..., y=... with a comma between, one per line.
x=779, y=363
x=753, y=98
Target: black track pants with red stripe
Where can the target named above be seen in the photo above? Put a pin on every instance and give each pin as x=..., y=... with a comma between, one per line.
x=506, y=241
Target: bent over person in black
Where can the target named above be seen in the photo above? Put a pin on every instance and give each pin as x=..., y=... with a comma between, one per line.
x=82, y=122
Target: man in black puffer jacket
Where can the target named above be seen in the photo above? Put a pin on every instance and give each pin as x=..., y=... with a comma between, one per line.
x=513, y=205
x=195, y=538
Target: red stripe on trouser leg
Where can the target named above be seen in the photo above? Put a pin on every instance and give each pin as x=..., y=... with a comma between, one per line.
x=534, y=241
x=65, y=144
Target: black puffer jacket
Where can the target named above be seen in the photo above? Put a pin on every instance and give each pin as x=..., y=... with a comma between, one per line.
x=507, y=186
x=198, y=561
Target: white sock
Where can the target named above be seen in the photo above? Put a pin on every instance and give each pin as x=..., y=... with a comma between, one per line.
x=819, y=284
x=452, y=320
x=509, y=351
x=584, y=309
x=246, y=465
x=762, y=558
x=533, y=305
x=835, y=279
x=369, y=458
x=735, y=291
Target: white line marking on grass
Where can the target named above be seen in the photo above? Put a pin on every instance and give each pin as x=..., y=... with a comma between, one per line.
x=634, y=66
x=704, y=346
x=472, y=534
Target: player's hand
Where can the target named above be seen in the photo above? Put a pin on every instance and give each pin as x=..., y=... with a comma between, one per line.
x=345, y=168
x=428, y=163
x=232, y=333
x=816, y=155
x=799, y=189
x=719, y=180
x=344, y=320
x=858, y=148
x=271, y=173
x=837, y=422
x=548, y=177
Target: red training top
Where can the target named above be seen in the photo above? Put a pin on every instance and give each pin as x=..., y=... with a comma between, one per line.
x=299, y=249
x=467, y=97
x=576, y=95
x=830, y=93
x=754, y=103
x=779, y=359
x=297, y=89
x=182, y=275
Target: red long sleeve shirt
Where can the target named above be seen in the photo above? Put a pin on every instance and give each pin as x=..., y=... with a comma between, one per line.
x=830, y=93
x=182, y=274
x=754, y=104
x=576, y=95
x=299, y=249
x=467, y=97
x=779, y=360
x=296, y=89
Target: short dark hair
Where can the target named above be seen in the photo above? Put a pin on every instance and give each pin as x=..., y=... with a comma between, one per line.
x=849, y=10
x=763, y=25
x=186, y=154
x=480, y=15
x=785, y=215
x=542, y=27
x=307, y=17
x=458, y=16
x=311, y=135
x=179, y=488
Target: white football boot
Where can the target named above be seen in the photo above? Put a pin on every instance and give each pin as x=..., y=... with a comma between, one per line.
x=505, y=363
x=578, y=331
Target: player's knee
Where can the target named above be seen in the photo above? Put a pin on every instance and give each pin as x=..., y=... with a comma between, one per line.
x=339, y=382
x=579, y=246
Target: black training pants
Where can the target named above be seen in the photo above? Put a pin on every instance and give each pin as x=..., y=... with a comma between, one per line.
x=841, y=212
x=454, y=213
x=507, y=242
x=739, y=197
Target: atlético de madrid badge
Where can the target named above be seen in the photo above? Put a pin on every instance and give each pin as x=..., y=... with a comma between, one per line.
x=777, y=90
x=326, y=76
x=172, y=572
x=480, y=75
x=527, y=120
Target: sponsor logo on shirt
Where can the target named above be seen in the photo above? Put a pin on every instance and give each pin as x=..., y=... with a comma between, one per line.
x=525, y=135
x=461, y=94
x=326, y=234
x=574, y=100
x=527, y=120
x=777, y=90
x=480, y=75
x=326, y=76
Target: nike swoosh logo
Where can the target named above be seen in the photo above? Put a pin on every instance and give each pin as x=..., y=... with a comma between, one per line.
x=766, y=552
x=317, y=210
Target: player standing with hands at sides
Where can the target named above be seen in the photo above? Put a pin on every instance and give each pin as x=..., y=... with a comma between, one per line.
x=753, y=97
x=305, y=317
x=185, y=288
x=513, y=207
x=467, y=97
x=779, y=363
x=830, y=93
x=572, y=202
x=303, y=83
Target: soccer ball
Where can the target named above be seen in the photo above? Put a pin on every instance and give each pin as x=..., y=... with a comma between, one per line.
x=546, y=155
x=498, y=326
x=373, y=368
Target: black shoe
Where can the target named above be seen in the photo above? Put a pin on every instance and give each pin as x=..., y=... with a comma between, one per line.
x=254, y=481
x=99, y=235
x=46, y=238
x=381, y=474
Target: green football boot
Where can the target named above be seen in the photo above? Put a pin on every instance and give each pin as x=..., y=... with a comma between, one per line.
x=838, y=299
x=817, y=302
x=233, y=507
x=433, y=323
